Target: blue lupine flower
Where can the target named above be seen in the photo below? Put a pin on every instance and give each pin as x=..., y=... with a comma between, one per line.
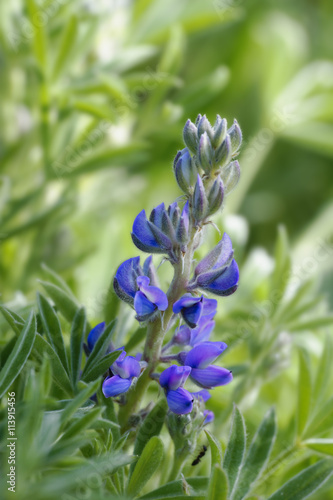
x=148, y=299
x=203, y=354
x=180, y=401
x=94, y=335
x=166, y=231
x=192, y=308
x=209, y=417
x=125, y=369
x=202, y=332
x=174, y=376
x=218, y=272
x=203, y=394
x=212, y=376
x=133, y=286
x=199, y=359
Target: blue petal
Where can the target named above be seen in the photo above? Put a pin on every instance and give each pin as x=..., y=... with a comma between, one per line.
x=142, y=235
x=174, y=376
x=218, y=257
x=126, y=367
x=153, y=293
x=125, y=279
x=203, y=394
x=156, y=215
x=142, y=305
x=202, y=332
x=113, y=386
x=209, y=307
x=180, y=401
x=209, y=417
x=212, y=376
x=182, y=335
x=94, y=335
x=150, y=271
x=204, y=353
x=186, y=300
x=192, y=314
x=186, y=215
x=226, y=283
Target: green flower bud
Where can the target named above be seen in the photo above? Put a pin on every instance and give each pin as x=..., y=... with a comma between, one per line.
x=200, y=202
x=219, y=131
x=204, y=126
x=190, y=135
x=235, y=135
x=223, y=153
x=205, y=153
x=215, y=197
x=185, y=171
x=230, y=176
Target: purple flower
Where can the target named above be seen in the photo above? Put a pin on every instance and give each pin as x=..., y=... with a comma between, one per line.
x=166, y=231
x=209, y=417
x=203, y=354
x=218, y=272
x=124, y=370
x=148, y=299
x=212, y=376
x=180, y=401
x=94, y=335
x=132, y=284
x=203, y=394
x=193, y=308
x=174, y=376
x=190, y=308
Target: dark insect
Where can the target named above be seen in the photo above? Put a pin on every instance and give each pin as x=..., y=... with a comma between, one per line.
x=201, y=454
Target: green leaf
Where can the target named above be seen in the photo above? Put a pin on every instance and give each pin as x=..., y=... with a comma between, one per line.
x=306, y=482
x=100, y=367
x=304, y=391
x=218, y=484
x=64, y=302
x=42, y=348
x=324, y=445
x=57, y=280
x=235, y=451
x=52, y=328
x=82, y=423
x=215, y=449
x=19, y=355
x=78, y=401
x=324, y=372
x=76, y=342
x=282, y=266
x=14, y=320
x=311, y=324
x=39, y=37
x=65, y=49
x=177, y=489
x=100, y=347
x=257, y=456
x=147, y=465
x=321, y=421
x=150, y=427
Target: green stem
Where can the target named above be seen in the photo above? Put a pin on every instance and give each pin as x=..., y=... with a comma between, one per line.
x=178, y=464
x=156, y=333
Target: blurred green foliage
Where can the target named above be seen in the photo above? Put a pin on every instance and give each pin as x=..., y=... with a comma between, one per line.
x=93, y=97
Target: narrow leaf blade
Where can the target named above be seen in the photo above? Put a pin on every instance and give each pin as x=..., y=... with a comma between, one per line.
x=147, y=465
x=235, y=451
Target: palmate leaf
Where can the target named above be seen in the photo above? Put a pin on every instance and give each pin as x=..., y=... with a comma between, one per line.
x=42, y=348
x=324, y=445
x=218, y=484
x=304, y=391
x=100, y=347
x=215, y=449
x=15, y=321
x=175, y=489
x=151, y=426
x=146, y=466
x=52, y=328
x=257, y=456
x=76, y=344
x=306, y=482
x=19, y=355
x=64, y=302
x=235, y=451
